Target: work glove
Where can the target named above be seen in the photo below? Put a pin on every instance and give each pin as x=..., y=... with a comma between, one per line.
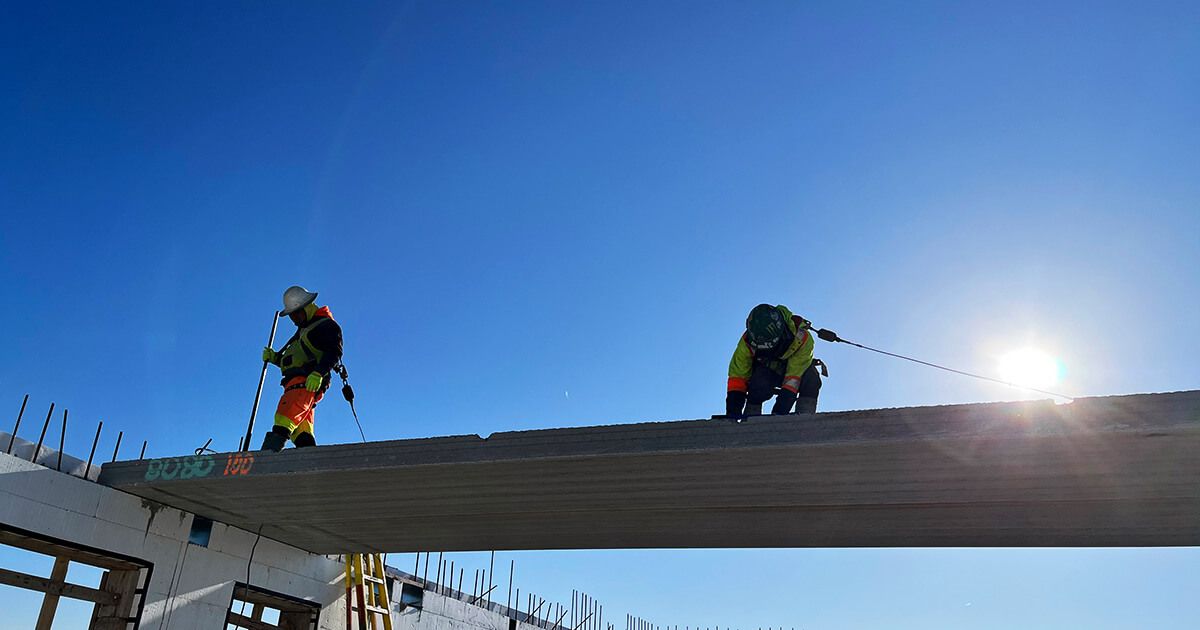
x=270, y=356
x=314, y=381
x=734, y=402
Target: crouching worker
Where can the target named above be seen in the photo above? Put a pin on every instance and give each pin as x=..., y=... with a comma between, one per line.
x=774, y=354
x=306, y=361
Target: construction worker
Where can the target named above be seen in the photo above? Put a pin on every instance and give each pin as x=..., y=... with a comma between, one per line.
x=774, y=354
x=306, y=361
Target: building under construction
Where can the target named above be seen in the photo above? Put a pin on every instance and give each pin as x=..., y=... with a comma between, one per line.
x=219, y=540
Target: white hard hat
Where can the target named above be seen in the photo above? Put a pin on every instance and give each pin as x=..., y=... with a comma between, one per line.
x=296, y=298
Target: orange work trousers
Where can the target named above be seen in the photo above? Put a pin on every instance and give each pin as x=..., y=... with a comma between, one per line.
x=296, y=407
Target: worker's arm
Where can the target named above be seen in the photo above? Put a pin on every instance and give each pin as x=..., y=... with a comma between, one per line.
x=740, y=367
x=797, y=364
x=328, y=339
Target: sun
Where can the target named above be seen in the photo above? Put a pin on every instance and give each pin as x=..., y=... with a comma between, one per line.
x=1029, y=367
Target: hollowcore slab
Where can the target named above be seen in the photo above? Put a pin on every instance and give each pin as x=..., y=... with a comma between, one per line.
x=1111, y=471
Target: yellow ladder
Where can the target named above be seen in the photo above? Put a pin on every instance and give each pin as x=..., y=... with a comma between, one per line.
x=366, y=590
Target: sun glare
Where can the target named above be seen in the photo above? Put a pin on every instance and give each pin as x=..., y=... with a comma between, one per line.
x=1029, y=367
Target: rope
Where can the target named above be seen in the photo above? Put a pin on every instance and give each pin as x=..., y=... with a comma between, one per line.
x=829, y=335
x=360, y=429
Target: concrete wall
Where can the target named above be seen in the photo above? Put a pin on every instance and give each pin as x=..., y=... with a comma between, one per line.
x=191, y=586
x=446, y=613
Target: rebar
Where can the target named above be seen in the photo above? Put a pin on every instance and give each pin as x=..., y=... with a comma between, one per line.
x=142, y=455
x=62, y=441
x=37, y=451
x=13, y=438
x=120, y=434
x=491, y=575
x=437, y=575
x=512, y=564
x=87, y=470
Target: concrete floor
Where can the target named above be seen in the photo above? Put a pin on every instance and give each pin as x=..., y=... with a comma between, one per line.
x=1112, y=471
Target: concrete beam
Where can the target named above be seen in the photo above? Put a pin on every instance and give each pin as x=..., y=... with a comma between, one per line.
x=1112, y=471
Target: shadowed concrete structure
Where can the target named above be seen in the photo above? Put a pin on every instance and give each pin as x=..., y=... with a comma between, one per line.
x=1111, y=471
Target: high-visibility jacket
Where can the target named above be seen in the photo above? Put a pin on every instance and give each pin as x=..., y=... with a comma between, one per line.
x=792, y=362
x=316, y=347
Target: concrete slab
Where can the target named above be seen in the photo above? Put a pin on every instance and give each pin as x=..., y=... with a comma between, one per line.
x=1111, y=471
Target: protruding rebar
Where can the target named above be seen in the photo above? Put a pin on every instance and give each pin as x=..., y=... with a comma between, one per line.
x=62, y=441
x=142, y=455
x=512, y=565
x=437, y=574
x=87, y=470
x=37, y=451
x=117, y=448
x=13, y=438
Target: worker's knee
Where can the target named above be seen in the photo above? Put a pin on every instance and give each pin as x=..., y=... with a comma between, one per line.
x=284, y=424
x=810, y=383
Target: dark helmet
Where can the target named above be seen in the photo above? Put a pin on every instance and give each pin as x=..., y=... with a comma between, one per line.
x=767, y=330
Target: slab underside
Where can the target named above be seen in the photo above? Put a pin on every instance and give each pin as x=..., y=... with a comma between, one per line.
x=1113, y=471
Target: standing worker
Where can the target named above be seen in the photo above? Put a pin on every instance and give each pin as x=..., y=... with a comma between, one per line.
x=306, y=361
x=776, y=351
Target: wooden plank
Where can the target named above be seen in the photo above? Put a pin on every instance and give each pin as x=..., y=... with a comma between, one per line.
x=56, y=588
x=50, y=602
x=123, y=587
x=48, y=548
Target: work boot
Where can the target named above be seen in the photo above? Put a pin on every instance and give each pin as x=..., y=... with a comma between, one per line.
x=274, y=442
x=753, y=409
x=806, y=405
x=305, y=439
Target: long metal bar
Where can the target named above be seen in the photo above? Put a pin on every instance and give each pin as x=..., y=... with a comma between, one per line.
x=38, y=450
x=142, y=455
x=117, y=448
x=87, y=470
x=512, y=565
x=13, y=438
x=557, y=622
x=437, y=576
x=491, y=574
x=62, y=441
x=262, y=378
x=482, y=595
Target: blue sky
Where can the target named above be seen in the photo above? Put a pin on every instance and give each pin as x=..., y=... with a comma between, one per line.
x=547, y=214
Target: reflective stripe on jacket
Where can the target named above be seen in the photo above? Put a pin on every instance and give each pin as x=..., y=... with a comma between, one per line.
x=301, y=356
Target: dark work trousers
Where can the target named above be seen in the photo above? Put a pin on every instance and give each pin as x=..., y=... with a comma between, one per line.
x=765, y=381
